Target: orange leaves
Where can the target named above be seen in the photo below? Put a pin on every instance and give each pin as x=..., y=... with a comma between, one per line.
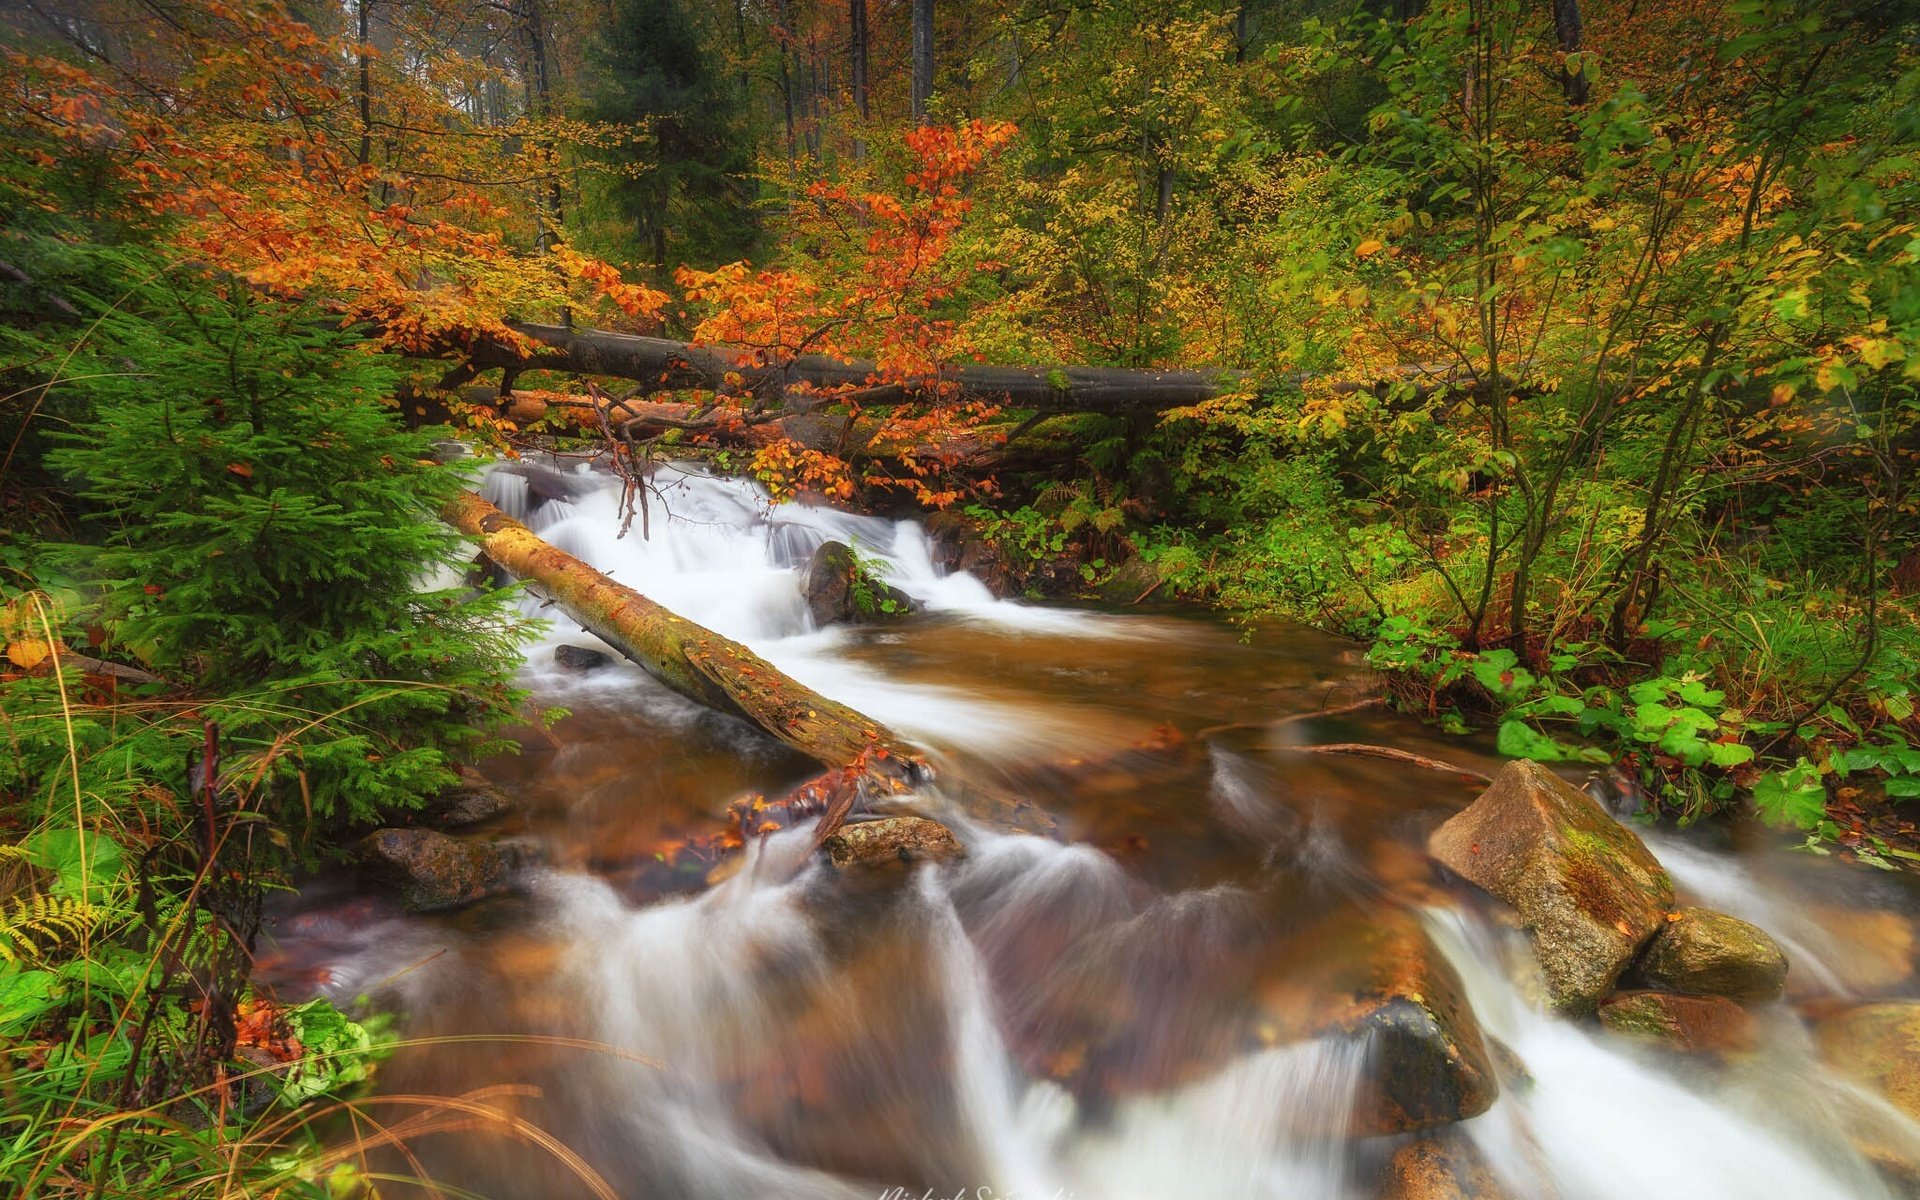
x=633, y=299
x=786, y=468
x=423, y=220
x=780, y=312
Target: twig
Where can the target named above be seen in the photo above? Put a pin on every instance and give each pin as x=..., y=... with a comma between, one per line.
x=1315, y=715
x=1368, y=750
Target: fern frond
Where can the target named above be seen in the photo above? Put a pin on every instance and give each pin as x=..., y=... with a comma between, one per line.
x=1057, y=496
x=33, y=927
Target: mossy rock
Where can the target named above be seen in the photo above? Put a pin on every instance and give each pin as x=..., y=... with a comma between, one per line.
x=839, y=590
x=1707, y=953
x=892, y=841
x=432, y=871
x=1589, y=891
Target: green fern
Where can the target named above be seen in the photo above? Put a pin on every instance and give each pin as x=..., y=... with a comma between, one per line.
x=31, y=928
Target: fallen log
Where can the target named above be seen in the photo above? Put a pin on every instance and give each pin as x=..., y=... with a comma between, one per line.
x=665, y=365
x=689, y=658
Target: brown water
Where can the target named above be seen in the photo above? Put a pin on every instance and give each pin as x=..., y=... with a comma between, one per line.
x=1122, y=1006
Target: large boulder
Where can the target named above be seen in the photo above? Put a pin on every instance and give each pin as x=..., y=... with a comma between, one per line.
x=431, y=871
x=890, y=841
x=1389, y=985
x=1589, y=891
x=1438, y=1168
x=1710, y=1024
x=838, y=589
x=1878, y=1045
x=1707, y=953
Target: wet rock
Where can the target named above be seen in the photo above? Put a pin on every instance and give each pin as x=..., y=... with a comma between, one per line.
x=580, y=658
x=1432, y=1168
x=1708, y=953
x=474, y=800
x=1428, y=1063
x=1878, y=1045
x=892, y=840
x=431, y=871
x=1130, y=582
x=838, y=590
x=1713, y=1024
x=1869, y=951
x=1588, y=891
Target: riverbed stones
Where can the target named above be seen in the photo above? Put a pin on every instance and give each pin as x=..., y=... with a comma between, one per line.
x=1387, y=984
x=1878, y=1045
x=1438, y=1168
x=1709, y=1024
x=473, y=800
x=890, y=841
x=838, y=589
x=1588, y=891
x=1707, y=953
x=580, y=659
x=431, y=871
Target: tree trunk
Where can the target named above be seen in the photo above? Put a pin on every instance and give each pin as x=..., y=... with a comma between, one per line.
x=692, y=660
x=922, y=59
x=1566, y=25
x=857, y=53
x=662, y=365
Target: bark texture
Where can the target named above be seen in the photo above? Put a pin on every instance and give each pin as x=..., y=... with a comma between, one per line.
x=690, y=659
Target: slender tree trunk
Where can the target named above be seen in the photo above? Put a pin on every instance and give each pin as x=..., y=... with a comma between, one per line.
x=922, y=59
x=857, y=56
x=366, y=87
x=1566, y=25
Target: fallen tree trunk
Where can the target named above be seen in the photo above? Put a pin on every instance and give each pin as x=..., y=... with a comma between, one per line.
x=689, y=658
x=664, y=365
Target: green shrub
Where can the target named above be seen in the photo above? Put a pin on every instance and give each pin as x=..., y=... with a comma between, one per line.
x=264, y=524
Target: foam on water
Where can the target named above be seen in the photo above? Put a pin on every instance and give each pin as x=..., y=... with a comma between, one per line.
x=698, y=985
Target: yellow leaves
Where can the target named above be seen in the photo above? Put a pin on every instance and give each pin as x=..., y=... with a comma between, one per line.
x=1877, y=352
x=23, y=632
x=28, y=653
x=1368, y=248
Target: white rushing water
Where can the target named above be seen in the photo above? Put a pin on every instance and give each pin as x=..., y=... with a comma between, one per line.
x=710, y=988
x=717, y=551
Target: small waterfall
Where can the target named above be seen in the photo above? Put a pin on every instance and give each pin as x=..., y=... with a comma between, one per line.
x=1598, y=1120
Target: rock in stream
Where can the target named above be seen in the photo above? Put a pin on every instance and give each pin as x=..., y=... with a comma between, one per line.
x=1590, y=893
x=1707, y=953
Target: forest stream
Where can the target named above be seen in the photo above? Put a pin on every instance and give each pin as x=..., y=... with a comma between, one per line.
x=1141, y=1002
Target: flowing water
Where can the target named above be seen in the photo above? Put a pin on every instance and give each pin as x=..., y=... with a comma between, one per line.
x=1080, y=1013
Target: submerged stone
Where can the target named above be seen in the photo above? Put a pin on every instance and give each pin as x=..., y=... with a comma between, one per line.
x=1878, y=1045
x=1709, y=953
x=431, y=871
x=1713, y=1024
x=1587, y=889
x=1427, y=1062
x=892, y=840
x=1435, y=1168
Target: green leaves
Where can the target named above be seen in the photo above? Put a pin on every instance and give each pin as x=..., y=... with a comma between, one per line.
x=83, y=862
x=1796, y=797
